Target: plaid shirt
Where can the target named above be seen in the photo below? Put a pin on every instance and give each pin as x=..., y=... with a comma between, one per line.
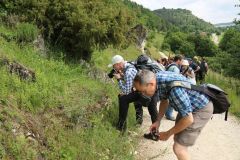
x=129, y=74
x=183, y=100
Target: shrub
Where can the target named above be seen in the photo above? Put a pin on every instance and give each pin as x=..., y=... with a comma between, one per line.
x=26, y=32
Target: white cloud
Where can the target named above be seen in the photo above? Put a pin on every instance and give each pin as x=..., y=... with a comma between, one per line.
x=214, y=11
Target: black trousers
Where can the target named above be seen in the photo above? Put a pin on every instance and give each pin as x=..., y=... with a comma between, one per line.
x=135, y=97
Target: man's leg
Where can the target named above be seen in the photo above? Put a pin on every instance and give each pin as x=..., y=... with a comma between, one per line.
x=197, y=76
x=181, y=151
x=124, y=101
x=139, y=112
x=152, y=108
x=188, y=136
x=200, y=77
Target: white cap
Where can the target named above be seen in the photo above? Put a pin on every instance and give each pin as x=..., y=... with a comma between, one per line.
x=116, y=59
x=162, y=55
x=185, y=63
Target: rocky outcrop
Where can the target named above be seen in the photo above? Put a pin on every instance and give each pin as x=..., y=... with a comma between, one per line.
x=14, y=67
x=39, y=45
x=138, y=35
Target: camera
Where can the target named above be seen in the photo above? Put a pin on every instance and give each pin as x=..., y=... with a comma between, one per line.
x=111, y=73
x=153, y=135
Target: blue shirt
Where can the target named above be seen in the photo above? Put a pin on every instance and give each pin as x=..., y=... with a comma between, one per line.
x=183, y=100
x=129, y=74
x=174, y=68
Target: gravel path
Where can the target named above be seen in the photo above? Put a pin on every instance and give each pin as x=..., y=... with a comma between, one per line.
x=219, y=140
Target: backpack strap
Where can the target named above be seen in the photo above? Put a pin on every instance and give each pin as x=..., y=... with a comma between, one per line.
x=132, y=65
x=185, y=71
x=173, y=84
x=226, y=115
x=187, y=85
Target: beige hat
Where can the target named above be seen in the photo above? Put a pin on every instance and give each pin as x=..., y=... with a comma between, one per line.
x=185, y=63
x=162, y=55
x=116, y=59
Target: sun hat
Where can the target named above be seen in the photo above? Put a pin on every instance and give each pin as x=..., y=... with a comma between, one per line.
x=116, y=59
x=185, y=63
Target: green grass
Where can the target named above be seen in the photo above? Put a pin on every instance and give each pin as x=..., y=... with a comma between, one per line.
x=77, y=131
x=101, y=59
x=158, y=40
x=231, y=86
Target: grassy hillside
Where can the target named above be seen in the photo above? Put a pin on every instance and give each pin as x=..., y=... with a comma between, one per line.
x=185, y=20
x=101, y=58
x=68, y=113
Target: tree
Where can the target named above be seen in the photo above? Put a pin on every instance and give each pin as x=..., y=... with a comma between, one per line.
x=187, y=49
x=231, y=42
x=78, y=26
x=203, y=45
x=229, y=58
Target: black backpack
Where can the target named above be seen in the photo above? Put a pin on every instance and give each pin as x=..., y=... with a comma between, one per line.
x=217, y=95
x=145, y=62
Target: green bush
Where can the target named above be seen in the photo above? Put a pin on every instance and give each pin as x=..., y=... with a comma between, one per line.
x=230, y=44
x=78, y=26
x=190, y=44
x=26, y=32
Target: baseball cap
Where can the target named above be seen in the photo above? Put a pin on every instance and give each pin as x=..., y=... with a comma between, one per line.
x=185, y=63
x=116, y=59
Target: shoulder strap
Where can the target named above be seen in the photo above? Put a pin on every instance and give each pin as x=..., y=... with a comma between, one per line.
x=185, y=71
x=132, y=65
x=184, y=84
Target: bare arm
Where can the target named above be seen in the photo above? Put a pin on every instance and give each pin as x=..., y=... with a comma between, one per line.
x=191, y=75
x=182, y=124
x=206, y=65
x=162, y=109
x=198, y=68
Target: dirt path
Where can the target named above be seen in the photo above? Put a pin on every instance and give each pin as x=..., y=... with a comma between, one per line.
x=219, y=140
x=215, y=38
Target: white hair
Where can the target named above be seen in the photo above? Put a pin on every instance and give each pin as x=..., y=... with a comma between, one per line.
x=144, y=76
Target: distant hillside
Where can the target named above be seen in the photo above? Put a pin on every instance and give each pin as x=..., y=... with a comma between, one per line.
x=147, y=17
x=229, y=24
x=185, y=20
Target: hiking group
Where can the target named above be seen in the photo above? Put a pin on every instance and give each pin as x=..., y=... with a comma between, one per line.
x=144, y=82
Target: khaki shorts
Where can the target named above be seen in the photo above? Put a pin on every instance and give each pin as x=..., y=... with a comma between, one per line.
x=189, y=135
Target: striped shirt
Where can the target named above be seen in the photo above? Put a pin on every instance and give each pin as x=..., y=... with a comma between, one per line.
x=183, y=100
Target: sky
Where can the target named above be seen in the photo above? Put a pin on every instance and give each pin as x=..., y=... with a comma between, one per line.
x=213, y=11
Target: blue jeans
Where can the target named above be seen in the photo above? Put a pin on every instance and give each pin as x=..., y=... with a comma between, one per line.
x=169, y=112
